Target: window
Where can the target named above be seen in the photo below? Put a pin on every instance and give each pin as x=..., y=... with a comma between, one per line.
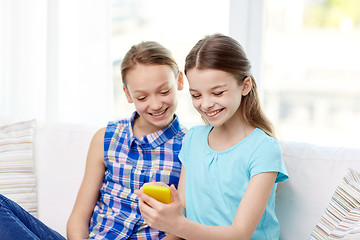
x=177, y=25
x=305, y=59
x=311, y=70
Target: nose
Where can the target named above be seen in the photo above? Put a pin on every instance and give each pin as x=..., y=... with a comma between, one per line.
x=206, y=103
x=156, y=103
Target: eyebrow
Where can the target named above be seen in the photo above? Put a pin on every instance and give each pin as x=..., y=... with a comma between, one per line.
x=213, y=88
x=161, y=86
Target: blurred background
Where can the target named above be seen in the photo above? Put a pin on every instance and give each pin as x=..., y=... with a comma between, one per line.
x=59, y=60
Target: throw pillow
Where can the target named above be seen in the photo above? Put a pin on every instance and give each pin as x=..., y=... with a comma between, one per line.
x=17, y=178
x=341, y=219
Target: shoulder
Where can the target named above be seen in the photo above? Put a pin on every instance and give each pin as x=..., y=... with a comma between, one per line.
x=118, y=123
x=193, y=140
x=176, y=129
x=115, y=127
x=267, y=157
x=261, y=145
x=265, y=141
x=195, y=133
x=181, y=132
x=264, y=145
x=100, y=133
x=199, y=129
x=98, y=139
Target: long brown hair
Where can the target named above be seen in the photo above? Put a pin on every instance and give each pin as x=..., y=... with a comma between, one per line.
x=224, y=53
x=148, y=53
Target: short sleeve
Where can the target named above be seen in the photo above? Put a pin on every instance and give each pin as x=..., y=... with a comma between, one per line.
x=267, y=157
x=185, y=148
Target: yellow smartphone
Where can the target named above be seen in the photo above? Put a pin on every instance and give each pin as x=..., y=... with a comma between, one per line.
x=160, y=193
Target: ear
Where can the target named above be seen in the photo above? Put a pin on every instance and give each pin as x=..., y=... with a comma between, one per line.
x=180, y=81
x=246, y=86
x=127, y=94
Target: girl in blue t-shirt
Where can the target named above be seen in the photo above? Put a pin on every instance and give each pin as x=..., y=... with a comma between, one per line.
x=231, y=166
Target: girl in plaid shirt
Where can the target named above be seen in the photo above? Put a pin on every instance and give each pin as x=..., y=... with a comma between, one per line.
x=128, y=153
x=121, y=158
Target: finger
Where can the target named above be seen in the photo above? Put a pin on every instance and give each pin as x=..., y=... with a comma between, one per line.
x=145, y=210
x=145, y=204
x=141, y=195
x=137, y=191
x=141, y=203
x=152, y=202
x=174, y=193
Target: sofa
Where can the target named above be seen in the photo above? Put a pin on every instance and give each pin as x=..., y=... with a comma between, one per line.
x=59, y=156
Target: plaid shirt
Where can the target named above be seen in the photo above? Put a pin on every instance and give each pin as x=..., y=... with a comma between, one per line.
x=131, y=162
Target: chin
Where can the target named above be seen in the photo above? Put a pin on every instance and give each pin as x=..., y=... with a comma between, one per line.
x=215, y=122
x=164, y=122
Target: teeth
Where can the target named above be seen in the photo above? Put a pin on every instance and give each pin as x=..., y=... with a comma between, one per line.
x=158, y=114
x=213, y=113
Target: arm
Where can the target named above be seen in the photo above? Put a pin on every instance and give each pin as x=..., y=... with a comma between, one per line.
x=171, y=237
x=78, y=223
x=181, y=190
x=167, y=217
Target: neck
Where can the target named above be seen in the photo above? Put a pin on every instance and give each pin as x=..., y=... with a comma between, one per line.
x=142, y=128
x=227, y=135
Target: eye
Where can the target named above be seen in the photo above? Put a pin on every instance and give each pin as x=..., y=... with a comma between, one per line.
x=165, y=92
x=218, y=93
x=195, y=96
x=141, y=98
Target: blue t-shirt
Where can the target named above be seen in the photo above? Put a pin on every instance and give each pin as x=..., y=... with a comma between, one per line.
x=216, y=181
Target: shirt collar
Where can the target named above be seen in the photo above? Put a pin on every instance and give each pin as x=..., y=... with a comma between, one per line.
x=157, y=138
x=130, y=133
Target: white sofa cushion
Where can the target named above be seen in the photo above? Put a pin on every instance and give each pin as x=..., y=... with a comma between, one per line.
x=314, y=173
x=60, y=154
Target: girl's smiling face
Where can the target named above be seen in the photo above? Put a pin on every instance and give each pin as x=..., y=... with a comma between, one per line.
x=152, y=89
x=216, y=95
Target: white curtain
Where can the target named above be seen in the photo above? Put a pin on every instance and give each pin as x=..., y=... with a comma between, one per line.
x=55, y=63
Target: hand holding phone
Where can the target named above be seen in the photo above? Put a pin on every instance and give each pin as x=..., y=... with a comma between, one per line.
x=159, y=191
